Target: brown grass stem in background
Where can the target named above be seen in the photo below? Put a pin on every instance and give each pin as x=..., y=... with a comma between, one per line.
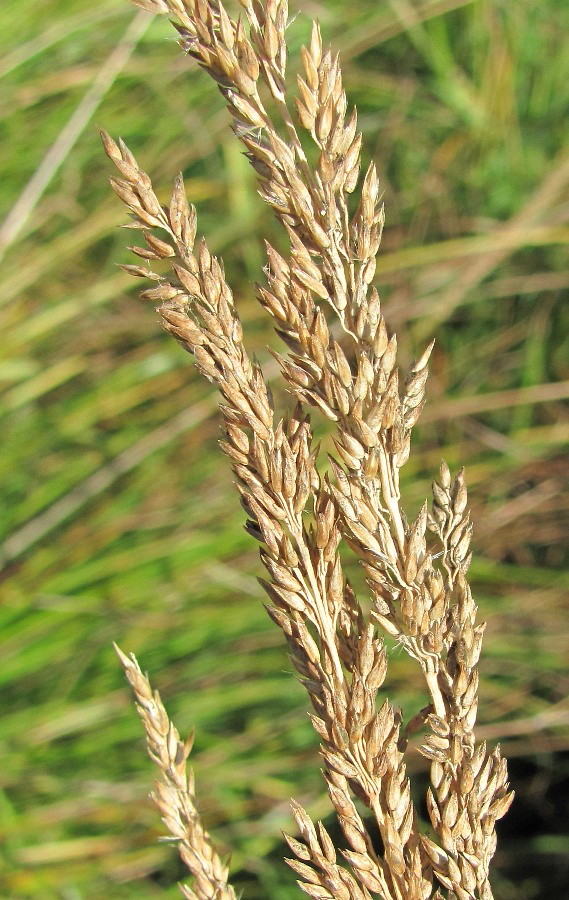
x=419, y=588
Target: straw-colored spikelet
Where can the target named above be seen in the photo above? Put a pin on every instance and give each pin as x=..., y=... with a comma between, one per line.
x=174, y=795
x=419, y=589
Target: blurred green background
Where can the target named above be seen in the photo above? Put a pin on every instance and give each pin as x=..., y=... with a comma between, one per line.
x=119, y=521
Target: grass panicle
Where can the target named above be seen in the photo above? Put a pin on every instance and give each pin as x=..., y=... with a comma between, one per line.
x=307, y=158
x=174, y=795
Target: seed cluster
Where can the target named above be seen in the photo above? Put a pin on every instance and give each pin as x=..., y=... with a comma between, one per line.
x=175, y=793
x=416, y=570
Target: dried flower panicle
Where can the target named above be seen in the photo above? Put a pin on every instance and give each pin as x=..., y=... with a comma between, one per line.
x=175, y=793
x=418, y=583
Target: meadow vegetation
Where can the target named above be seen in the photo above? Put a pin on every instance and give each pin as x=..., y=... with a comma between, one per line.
x=119, y=520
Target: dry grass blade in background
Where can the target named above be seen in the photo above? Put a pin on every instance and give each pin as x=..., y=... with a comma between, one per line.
x=17, y=218
x=419, y=588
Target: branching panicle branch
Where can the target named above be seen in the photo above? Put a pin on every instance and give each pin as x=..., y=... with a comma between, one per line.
x=418, y=585
x=174, y=795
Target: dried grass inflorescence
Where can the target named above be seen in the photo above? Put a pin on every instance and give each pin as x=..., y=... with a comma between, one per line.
x=420, y=594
